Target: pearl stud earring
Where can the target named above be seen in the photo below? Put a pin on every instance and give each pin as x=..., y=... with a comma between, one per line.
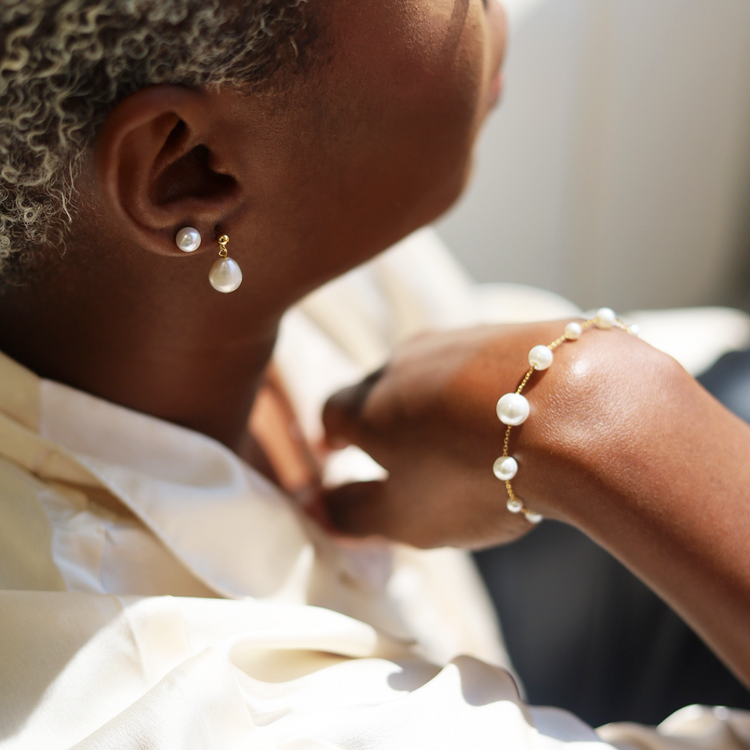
x=188, y=239
x=225, y=275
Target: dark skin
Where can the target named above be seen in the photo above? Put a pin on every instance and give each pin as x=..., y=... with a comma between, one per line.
x=311, y=182
x=307, y=182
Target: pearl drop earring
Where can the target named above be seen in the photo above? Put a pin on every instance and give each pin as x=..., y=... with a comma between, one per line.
x=225, y=275
x=188, y=239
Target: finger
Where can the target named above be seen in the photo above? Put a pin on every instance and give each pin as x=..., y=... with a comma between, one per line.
x=342, y=413
x=358, y=509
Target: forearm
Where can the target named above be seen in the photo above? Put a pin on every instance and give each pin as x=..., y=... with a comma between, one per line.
x=630, y=449
x=620, y=442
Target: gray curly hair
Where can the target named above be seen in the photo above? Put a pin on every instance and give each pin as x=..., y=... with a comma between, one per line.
x=65, y=63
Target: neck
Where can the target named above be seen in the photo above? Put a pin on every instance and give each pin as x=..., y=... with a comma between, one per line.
x=159, y=354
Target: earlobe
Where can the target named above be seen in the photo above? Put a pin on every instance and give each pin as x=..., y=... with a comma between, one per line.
x=156, y=172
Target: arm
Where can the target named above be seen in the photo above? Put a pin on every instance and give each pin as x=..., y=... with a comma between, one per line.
x=621, y=443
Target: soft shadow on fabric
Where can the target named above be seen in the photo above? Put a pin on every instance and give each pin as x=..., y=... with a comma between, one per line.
x=481, y=683
x=32, y=663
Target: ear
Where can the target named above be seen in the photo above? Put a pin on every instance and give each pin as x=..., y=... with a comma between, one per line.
x=161, y=165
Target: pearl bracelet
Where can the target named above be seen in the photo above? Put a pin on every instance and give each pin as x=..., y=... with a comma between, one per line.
x=513, y=408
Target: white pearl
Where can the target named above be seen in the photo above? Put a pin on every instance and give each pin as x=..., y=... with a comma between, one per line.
x=573, y=331
x=634, y=330
x=515, y=506
x=605, y=318
x=534, y=518
x=225, y=275
x=513, y=409
x=188, y=239
x=505, y=468
x=541, y=357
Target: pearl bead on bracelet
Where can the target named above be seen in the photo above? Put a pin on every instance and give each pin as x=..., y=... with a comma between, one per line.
x=513, y=409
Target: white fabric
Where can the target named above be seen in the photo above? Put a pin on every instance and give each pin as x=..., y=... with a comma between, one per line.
x=696, y=337
x=278, y=637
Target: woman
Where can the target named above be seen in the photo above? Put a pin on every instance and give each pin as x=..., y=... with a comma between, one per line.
x=142, y=144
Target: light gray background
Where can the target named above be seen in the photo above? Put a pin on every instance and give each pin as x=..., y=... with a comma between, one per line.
x=617, y=169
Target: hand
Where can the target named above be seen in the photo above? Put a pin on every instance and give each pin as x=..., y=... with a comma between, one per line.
x=428, y=417
x=621, y=443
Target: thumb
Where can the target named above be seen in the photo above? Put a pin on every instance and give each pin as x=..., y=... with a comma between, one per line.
x=343, y=412
x=359, y=509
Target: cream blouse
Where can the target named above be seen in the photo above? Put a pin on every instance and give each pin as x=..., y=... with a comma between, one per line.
x=158, y=592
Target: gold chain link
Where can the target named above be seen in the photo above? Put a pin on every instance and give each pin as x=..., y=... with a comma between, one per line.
x=223, y=241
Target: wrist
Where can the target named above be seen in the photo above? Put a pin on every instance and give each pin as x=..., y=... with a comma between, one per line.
x=590, y=415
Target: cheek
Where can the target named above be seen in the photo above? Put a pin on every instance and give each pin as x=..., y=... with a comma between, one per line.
x=429, y=70
x=381, y=144
x=414, y=92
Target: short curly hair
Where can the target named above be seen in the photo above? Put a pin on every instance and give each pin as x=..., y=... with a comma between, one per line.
x=65, y=63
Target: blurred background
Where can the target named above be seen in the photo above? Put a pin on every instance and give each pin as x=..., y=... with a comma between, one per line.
x=617, y=168
x=617, y=172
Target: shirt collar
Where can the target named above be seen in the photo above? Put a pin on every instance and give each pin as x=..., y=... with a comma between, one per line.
x=223, y=520
x=235, y=531
x=19, y=393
